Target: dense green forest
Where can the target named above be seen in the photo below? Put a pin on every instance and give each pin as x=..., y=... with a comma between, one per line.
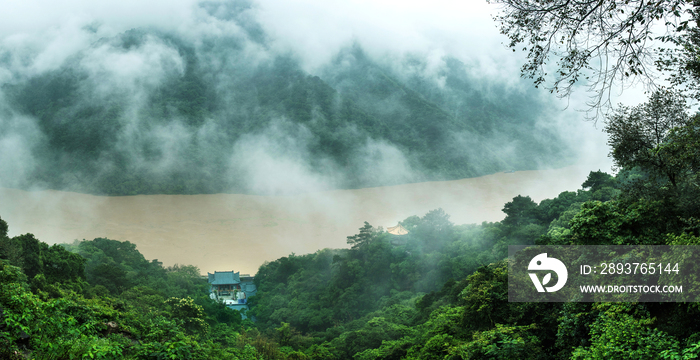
x=209, y=119
x=439, y=292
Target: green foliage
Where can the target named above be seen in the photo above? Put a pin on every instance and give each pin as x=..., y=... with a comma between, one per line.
x=635, y=134
x=598, y=180
x=44, y=265
x=610, y=223
x=502, y=342
x=3, y=229
x=364, y=238
x=84, y=322
x=691, y=352
x=191, y=314
x=520, y=211
x=682, y=148
x=55, y=328
x=618, y=334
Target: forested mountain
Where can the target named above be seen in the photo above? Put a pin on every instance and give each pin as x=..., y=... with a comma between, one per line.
x=148, y=111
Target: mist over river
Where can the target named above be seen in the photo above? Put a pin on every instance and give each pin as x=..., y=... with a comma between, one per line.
x=240, y=232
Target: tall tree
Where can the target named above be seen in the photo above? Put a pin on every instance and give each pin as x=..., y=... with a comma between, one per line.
x=364, y=238
x=521, y=211
x=636, y=133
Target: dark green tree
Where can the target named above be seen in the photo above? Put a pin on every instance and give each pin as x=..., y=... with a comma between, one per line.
x=597, y=180
x=521, y=211
x=3, y=228
x=682, y=150
x=61, y=265
x=635, y=134
x=10, y=248
x=31, y=254
x=364, y=238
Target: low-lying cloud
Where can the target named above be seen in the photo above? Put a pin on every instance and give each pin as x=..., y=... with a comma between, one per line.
x=254, y=97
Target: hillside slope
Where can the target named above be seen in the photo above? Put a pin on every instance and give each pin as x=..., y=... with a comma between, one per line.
x=150, y=112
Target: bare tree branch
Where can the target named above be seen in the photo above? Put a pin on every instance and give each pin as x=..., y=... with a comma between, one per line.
x=600, y=43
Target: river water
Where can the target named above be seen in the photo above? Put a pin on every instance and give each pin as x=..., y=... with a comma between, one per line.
x=240, y=232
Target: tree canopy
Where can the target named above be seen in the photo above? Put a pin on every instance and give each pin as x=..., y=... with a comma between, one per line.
x=635, y=133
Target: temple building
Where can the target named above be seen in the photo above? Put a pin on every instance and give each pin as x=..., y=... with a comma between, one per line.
x=232, y=289
x=397, y=230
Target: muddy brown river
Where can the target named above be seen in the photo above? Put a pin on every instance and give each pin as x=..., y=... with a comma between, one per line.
x=240, y=232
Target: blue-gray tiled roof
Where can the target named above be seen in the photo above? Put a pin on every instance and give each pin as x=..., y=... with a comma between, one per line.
x=224, y=278
x=249, y=288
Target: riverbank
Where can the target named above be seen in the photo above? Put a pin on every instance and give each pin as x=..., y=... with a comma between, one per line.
x=240, y=232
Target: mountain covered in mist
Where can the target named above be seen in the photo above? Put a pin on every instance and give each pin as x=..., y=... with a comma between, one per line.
x=149, y=111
